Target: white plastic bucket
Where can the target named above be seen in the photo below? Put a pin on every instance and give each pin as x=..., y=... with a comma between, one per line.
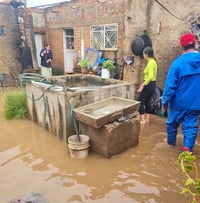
x=105, y=73
x=78, y=150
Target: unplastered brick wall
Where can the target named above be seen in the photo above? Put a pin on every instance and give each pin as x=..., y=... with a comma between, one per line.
x=81, y=15
x=33, y=23
x=132, y=17
x=9, y=39
x=38, y=17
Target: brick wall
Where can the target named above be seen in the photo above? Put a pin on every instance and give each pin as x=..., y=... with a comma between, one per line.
x=132, y=17
x=80, y=15
x=54, y=38
x=9, y=41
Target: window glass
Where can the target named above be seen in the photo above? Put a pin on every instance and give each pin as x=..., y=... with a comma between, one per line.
x=69, y=39
x=104, y=37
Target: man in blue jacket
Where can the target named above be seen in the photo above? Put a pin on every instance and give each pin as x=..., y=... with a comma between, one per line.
x=181, y=95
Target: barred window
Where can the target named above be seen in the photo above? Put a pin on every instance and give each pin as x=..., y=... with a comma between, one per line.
x=2, y=32
x=104, y=37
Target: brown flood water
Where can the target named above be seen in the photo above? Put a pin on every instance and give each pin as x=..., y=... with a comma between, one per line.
x=33, y=160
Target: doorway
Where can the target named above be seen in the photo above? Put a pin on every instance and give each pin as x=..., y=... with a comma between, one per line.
x=39, y=46
x=69, y=52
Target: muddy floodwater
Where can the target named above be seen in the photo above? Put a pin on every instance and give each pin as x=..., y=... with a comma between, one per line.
x=33, y=160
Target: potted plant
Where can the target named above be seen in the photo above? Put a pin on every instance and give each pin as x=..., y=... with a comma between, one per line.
x=107, y=68
x=84, y=63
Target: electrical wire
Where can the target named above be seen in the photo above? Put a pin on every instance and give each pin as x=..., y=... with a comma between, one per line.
x=167, y=9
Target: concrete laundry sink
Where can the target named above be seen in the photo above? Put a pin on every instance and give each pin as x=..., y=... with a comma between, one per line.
x=51, y=105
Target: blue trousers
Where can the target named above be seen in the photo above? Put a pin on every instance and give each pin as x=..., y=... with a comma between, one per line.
x=189, y=125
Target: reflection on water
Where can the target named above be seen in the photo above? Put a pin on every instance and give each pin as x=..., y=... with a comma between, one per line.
x=33, y=160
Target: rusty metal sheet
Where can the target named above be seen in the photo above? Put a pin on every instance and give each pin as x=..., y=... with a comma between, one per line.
x=105, y=111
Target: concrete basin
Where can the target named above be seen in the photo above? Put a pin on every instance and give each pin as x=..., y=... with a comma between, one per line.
x=51, y=105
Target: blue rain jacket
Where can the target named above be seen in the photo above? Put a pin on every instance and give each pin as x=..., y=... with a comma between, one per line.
x=182, y=87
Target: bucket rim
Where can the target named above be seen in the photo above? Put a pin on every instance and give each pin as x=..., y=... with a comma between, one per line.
x=85, y=137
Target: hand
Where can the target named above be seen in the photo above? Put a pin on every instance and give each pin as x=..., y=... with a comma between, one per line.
x=43, y=53
x=164, y=108
x=140, y=88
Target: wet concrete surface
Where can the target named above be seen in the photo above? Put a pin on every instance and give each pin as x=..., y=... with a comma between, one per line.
x=33, y=160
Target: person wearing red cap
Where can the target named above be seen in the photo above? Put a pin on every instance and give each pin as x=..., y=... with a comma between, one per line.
x=181, y=95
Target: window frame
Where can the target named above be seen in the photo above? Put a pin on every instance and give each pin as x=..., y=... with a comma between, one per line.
x=69, y=39
x=103, y=36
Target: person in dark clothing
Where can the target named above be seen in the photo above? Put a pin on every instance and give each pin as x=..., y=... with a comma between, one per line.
x=16, y=4
x=181, y=96
x=46, y=59
x=25, y=57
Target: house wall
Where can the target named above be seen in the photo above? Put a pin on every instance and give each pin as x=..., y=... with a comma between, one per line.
x=9, y=41
x=133, y=17
x=163, y=27
x=18, y=25
x=80, y=15
x=28, y=29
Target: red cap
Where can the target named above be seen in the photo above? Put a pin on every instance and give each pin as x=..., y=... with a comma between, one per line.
x=187, y=39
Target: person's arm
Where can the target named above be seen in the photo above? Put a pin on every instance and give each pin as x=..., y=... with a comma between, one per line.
x=49, y=57
x=141, y=87
x=43, y=52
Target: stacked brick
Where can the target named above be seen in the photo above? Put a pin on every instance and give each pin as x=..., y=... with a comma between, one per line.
x=9, y=43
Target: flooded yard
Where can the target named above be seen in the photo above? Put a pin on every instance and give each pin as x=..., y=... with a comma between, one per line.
x=33, y=160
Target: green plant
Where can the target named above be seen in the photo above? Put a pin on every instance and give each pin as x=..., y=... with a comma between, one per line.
x=191, y=188
x=15, y=105
x=108, y=64
x=84, y=63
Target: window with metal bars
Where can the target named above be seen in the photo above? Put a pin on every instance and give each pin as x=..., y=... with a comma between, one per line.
x=104, y=37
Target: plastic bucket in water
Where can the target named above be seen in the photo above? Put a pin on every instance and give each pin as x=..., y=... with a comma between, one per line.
x=78, y=150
